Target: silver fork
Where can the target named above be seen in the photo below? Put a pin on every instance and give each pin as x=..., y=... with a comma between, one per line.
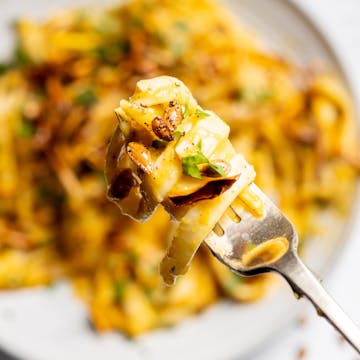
x=234, y=242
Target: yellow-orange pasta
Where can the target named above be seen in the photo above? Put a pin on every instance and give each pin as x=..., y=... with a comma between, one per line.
x=296, y=126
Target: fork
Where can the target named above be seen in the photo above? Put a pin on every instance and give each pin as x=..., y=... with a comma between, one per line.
x=250, y=245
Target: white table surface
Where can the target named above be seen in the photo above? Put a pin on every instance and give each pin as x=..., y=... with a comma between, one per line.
x=340, y=20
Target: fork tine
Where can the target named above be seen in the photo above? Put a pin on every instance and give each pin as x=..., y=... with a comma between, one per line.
x=233, y=215
x=239, y=230
x=256, y=245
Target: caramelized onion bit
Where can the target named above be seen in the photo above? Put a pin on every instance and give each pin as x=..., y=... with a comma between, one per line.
x=140, y=156
x=209, y=191
x=120, y=187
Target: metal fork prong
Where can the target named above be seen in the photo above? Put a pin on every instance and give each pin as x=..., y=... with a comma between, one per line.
x=233, y=214
x=226, y=220
x=240, y=211
x=238, y=240
x=218, y=230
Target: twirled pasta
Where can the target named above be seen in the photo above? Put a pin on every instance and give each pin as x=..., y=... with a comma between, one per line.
x=167, y=150
x=296, y=125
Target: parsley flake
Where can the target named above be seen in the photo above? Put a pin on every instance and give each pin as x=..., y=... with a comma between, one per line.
x=22, y=59
x=181, y=25
x=190, y=164
x=159, y=144
x=178, y=134
x=217, y=169
x=119, y=289
x=231, y=283
x=254, y=96
x=86, y=98
x=26, y=129
x=200, y=112
x=136, y=22
x=186, y=110
x=4, y=67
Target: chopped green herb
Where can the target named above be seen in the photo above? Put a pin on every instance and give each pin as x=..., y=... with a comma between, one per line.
x=3, y=68
x=217, y=168
x=200, y=112
x=159, y=144
x=178, y=49
x=133, y=257
x=190, y=164
x=119, y=289
x=233, y=281
x=26, y=129
x=86, y=98
x=254, y=95
x=160, y=37
x=21, y=57
x=135, y=21
x=178, y=134
x=112, y=52
x=186, y=110
x=181, y=25
x=177, y=84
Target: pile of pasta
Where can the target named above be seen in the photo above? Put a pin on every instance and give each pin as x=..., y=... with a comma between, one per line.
x=57, y=95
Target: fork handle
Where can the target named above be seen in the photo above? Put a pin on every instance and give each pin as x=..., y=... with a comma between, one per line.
x=304, y=283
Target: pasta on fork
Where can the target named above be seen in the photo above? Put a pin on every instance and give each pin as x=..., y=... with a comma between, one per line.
x=167, y=150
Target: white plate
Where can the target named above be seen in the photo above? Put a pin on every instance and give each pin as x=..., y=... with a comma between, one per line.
x=51, y=324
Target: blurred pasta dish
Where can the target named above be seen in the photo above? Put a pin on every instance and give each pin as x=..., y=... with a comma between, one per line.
x=295, y=125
